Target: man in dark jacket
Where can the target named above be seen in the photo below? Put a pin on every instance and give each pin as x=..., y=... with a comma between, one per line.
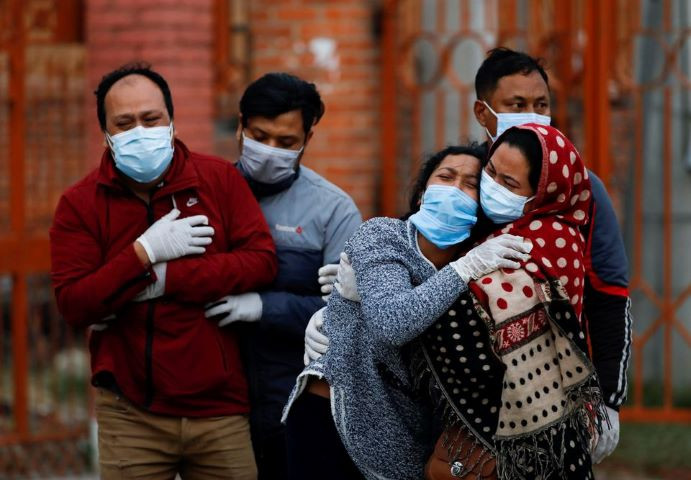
x=310, y=220
x=512, y=88
x=138, y=247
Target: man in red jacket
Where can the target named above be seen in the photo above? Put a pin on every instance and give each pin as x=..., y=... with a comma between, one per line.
x=139, y=246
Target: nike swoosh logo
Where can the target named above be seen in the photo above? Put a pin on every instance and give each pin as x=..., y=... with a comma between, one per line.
x=192, y=201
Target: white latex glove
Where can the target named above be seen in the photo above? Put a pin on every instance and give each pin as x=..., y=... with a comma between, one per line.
x=316, y=343
x=99, y=327
x=327, y=277
x=156, y=289
x=246, y=307
x=608, y=439
x=492, y=255
x=345, y=280
x=168, y=238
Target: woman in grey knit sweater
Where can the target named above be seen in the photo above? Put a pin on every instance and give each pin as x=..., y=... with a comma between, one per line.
x=408, y=274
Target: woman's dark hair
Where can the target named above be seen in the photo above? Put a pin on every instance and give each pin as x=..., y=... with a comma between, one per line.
x=529, y=145
x=277, y=93
x=431, y=164
x=136, y=68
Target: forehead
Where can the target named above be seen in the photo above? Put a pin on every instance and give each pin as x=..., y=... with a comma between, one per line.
x=133, y=93
x=509, y=160
x=462, y=163
x=531, y=85
x=288, y=123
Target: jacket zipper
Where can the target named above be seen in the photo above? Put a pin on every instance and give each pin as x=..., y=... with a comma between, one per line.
x=149, y=394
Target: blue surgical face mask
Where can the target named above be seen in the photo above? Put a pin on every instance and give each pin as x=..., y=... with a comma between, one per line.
x=446, y=215
x=508, y=120
x=267, y=164
x=499, y=203
x=143, y=154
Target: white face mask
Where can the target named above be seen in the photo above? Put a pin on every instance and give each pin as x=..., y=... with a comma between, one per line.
x=267, y=164
x=499, y=203
x=508, y=120
x=141, y=153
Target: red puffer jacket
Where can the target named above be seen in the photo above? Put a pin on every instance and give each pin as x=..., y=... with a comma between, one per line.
x=164, y=355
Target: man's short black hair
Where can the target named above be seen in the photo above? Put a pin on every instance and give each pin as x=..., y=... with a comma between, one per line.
x=277, y=93
x=502, y=62
x=136, y=68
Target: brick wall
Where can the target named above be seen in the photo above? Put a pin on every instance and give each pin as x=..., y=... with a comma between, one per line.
x=176, y=37
x=332, y=44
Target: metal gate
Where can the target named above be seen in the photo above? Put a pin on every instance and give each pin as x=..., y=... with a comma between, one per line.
x=620, y=77
x=44, y=416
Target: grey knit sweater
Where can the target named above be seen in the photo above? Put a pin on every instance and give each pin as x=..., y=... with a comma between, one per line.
x=384, y=426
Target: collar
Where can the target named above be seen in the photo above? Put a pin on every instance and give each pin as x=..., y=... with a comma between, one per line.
x=180, y=176
x=261, y=190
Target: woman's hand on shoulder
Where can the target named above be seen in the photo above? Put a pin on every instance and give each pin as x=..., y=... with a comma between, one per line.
x=498, y=252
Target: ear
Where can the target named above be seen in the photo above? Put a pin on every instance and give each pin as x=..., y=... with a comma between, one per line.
x=309, y=136
x=529, y=206
x=480, y=111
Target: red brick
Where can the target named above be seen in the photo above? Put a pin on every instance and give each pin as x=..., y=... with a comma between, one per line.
x=176, y=36
x=334, y=29
x=295, y=13
x=363, y=15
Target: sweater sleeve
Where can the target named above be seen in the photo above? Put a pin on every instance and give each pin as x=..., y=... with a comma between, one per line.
x=394, y=309
x=87, y=289
x=248, y=263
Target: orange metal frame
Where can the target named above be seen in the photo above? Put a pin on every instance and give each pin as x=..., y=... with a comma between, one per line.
x=24, y=252
x=600, y=21
x=665, y=301
x=17, y=96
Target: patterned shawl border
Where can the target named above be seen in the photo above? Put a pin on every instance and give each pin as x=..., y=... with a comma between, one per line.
x=523, y=320
x=545, y=299
x=512, y=319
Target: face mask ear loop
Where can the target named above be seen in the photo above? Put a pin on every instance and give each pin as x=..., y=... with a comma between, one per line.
x=491, y=137
x=491, y=110
x=108, y=140
x=175, y=205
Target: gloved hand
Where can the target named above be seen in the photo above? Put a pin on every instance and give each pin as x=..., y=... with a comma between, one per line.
x=168, y=238
x=492, y=255
x=608, y=439
x=316, y=343
x=246, y=307
x=327, y=277
x=99, y=327
x=345, y=280
x=156, y=289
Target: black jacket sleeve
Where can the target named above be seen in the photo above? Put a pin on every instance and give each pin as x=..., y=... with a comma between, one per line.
x=607, y=305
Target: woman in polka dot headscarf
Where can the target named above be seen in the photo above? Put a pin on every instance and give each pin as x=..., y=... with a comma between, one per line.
x=508, y=361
